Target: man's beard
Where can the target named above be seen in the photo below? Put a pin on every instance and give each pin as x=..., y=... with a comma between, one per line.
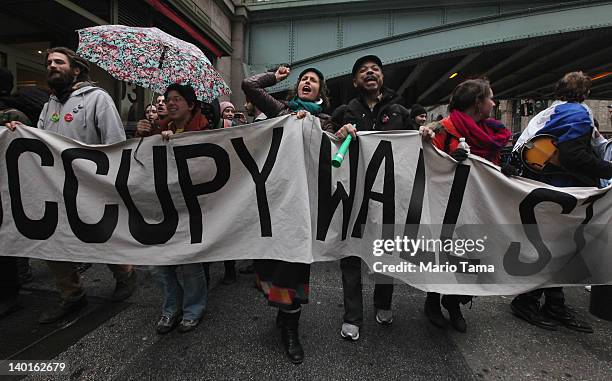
x=60, y=83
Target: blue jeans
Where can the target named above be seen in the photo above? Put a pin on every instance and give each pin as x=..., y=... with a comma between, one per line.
x=186, y=282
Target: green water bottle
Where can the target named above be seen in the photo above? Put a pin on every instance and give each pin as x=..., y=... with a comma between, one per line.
x=339, y=157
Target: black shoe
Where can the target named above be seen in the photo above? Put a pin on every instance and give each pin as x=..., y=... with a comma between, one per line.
x=125, y=288
x=529, y=311
x=433, y=310
x=167, y=324
x=451, y=303
x=290, y=336
x=62, y=310
x=566, y=317
x=229, y=278
x=250, y=269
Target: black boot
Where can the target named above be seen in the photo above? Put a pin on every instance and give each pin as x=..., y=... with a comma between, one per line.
x=433, y=310
x=290, y=336
x=62, y=310
x=125, y=287
x=451, y=303
x=528, y=309
x=566, y=316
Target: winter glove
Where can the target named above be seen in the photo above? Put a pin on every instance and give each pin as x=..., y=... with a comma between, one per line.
x=459, y=154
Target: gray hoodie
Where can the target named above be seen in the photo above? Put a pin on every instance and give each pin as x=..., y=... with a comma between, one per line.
x=88, y=116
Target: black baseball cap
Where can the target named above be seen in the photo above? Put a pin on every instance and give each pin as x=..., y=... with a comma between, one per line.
x=316, y=71
x=364, y=59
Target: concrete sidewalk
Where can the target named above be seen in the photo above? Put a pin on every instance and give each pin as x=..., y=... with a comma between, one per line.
x=237, y=339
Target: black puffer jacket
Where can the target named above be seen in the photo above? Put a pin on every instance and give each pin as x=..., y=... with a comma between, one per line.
x=388, y=114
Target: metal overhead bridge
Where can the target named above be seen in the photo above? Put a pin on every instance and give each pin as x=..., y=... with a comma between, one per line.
x=428, y=47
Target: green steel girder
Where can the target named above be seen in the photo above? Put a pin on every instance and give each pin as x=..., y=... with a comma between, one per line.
x=492, y=30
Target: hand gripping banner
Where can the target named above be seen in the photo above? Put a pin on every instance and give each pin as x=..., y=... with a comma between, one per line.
x=268, y=190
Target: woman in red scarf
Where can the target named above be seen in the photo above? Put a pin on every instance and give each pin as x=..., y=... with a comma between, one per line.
x=470, y=106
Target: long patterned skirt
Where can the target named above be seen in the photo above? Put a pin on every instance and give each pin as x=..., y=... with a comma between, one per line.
x=285, y=284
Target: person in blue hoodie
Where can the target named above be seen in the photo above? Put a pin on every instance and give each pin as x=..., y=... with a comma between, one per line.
x=571, y=122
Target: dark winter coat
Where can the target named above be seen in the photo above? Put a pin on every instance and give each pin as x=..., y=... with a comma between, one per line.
x=388, y=114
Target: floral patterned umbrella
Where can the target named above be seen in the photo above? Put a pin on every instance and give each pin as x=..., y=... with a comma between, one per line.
x=150, y=58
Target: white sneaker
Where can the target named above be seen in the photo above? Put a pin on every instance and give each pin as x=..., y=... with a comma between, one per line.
x=384, y=317
x=588, y=288
x=350, y=331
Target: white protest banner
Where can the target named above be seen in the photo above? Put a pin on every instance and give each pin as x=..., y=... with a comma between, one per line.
x=268, y=190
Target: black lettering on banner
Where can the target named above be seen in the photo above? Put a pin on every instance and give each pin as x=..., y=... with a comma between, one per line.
x=579, y=234
x=575, y=270
x=413, y=217
x=142, y=231
x=102, y=230
x=512, y=263
x=192, y=191
x=259, y=178
x=327, y=202
x=384, y=152
x=33, y=229
x=451, y=215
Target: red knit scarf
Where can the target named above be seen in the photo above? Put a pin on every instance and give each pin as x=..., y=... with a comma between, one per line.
x=485, y=138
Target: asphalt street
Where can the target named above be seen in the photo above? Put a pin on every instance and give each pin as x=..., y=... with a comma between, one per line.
x=237, y=339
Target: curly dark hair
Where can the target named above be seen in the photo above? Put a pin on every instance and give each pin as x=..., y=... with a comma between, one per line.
x=468, y=93
x=573, y=87
x=323, y=92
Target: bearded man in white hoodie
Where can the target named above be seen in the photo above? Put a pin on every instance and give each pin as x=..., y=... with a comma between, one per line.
x=79, y=110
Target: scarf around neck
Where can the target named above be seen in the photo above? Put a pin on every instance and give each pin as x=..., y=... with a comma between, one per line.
x=485, y=138
x=296, y=104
